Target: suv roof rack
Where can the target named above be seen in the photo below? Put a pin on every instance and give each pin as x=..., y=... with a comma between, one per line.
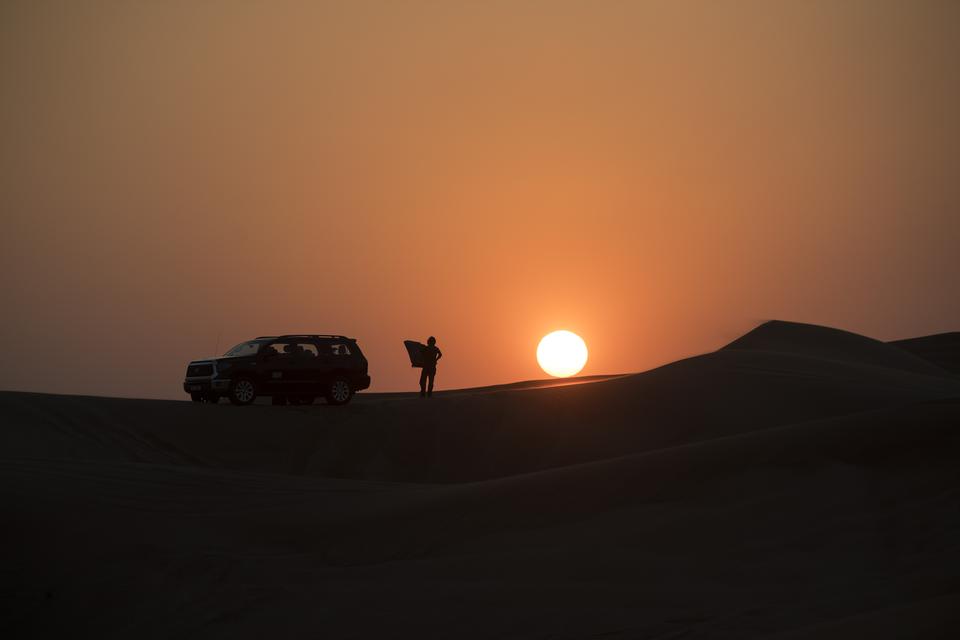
x=304, y=335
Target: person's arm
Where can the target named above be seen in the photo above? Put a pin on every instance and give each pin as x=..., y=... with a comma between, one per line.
x=439, y=355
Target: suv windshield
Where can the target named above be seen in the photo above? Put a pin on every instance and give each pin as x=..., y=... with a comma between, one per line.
x=243, y=349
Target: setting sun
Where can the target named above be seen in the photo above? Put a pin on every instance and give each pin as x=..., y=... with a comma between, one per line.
x=562, y=354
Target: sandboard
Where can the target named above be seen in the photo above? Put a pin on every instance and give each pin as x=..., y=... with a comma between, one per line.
x=415, y=351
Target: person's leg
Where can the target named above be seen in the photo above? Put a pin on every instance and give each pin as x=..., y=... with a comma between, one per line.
x=430, y=388
x=423, y=382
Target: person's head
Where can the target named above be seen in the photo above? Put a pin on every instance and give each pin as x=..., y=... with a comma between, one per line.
x=431, y=341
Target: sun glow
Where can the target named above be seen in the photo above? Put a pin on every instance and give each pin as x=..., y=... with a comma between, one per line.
x=562, y=354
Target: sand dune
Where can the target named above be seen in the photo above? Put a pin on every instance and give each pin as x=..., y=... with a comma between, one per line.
x=831, y=344
x=801, y=482
x=942, y=349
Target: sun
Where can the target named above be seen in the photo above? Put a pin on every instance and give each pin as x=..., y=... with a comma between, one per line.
x=562, y=353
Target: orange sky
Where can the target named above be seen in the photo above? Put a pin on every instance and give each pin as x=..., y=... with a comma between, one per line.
x=655, y=176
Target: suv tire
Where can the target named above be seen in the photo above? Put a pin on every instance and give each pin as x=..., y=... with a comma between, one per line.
x=339, y=391
x=243, y=391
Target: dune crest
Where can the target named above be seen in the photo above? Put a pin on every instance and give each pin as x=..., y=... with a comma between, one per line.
x=942, y=349
x=835, y=344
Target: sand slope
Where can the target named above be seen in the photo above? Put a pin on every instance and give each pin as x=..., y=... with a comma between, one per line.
x=775, y=488
x=942, y=349
x=831, y=344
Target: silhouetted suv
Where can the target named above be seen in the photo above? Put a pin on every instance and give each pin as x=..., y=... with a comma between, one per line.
x=294, y=369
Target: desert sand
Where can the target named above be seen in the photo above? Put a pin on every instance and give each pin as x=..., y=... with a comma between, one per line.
x=801, y=482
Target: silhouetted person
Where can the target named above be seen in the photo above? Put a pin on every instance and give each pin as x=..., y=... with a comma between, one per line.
x=431, y=354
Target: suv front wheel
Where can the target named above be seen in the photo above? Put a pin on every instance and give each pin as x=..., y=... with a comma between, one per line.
x=243, y=391
x=339, y=391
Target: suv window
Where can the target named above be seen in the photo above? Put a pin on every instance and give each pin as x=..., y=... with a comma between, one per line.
x=307, y=349
x=339, y=349
x=292, y=349
x=273, y=349
x=243, y=349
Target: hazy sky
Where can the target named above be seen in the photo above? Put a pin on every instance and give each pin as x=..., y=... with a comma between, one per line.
x=655, y=176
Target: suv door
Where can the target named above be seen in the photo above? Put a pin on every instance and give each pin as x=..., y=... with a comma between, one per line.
x=308, y=366
x=275, y=366
x=336, y=356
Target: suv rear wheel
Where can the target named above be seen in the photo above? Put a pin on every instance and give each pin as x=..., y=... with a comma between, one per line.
x=339, y=391
x=243, y=391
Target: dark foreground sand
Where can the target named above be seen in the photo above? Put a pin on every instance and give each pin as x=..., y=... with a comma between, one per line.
x=800, y=483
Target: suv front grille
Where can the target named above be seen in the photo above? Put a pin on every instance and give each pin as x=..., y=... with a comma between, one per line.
x=199, y=370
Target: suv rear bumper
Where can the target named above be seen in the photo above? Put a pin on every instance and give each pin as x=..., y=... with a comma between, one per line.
x=363, y=382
